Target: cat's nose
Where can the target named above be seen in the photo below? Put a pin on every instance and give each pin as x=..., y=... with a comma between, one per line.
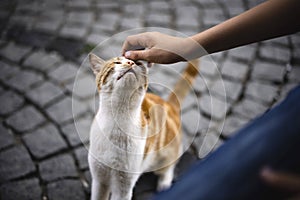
x=129, y=63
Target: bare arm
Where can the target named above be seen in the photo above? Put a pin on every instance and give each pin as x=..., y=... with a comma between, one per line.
x=268, y=20
x=271, y=19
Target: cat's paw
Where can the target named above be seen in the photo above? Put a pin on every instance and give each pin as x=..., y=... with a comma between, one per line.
x=163, y=185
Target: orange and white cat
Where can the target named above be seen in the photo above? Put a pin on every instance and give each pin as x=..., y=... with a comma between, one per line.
x=133, y=131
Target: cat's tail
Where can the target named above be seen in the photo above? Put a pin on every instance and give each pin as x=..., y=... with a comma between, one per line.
x=184, y=84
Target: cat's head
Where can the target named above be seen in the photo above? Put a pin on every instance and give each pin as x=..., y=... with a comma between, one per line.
x=119, y=75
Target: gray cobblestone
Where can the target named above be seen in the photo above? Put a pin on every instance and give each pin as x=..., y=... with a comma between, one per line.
x=10, y=102
x=189, y=16
x=78, y=4
x=191, y=120
x=65, y=110
x=7, y=70
x=25, y=119
x=65, y=72
x=44, y=141
x=81, y=154
x=24, y=80
x=77, y=134
x=267, y=71
x=158, y=19
x=294, y=74
x=96, y=38
x=232, y=89
x=61, y=166
x=235, y=70
x=206, y=143
x=249, y=109
x=20, y=190
x=213, y=107
x=232, y=124
x=245, y=53
x=42, y=60
x=15, y=162
x=159, y=6
x=19, y=52
x=61, y=190
x=7, y=139
x=73, y=31
x=84, y=87
x=275, y=53
x=85, y=17
x=44, y=93
x=261, y=91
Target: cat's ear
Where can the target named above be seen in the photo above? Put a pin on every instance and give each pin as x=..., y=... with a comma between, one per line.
x=96, y=63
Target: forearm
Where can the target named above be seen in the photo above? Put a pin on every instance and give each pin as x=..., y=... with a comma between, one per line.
x=271, y=19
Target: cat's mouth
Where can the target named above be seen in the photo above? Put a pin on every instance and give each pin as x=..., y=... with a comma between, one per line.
x=125, y=72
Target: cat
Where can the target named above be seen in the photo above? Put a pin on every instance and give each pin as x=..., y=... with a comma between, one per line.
x=133, y=131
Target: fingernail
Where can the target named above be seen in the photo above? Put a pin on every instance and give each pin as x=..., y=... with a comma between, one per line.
x=127, y=54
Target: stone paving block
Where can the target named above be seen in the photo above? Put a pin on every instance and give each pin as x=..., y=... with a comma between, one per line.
x=82, y=17
x=130, y=23
x=15, y=162
x=235, y=70
x=161, y=19
x=10, y=102
x=234, y=7
x=213, y=107
x=275, y=53
x=108, y=20
x=267, y=71
x=25, y=119
x=62, y=166
x=24, y=80
x=135, y=9
x=20, y=190
x=249, y=109
x=286, y=89
x=188, y=16
x=245, y=53
x=206, y=143
x=7, y=70
x=65, y=110
x=158, y=5
x=45, y=93
x=7, y=139
x=81, y=154
x=65, y=72
x=69, y=48
x=78, y=4
x=294, y=75
x=261, y=91
x=44, y=141
x=208, y=67
x=65, y=189
x=71, y=31
x=96, y=38
x=14, y=52
x=191, y=120
x=42, y=60
x=296, y=54
x=213, y=16
x=232, y=124
x=84, y=87
x=191, y=100
x=78, y=134
x=224, y=88
x=47, y=25
x=201, y=84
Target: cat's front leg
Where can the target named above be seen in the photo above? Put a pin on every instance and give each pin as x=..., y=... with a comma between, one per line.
x=99, y=191
x=122, y=188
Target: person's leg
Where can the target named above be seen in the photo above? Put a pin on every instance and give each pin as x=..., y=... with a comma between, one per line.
x=232, y=171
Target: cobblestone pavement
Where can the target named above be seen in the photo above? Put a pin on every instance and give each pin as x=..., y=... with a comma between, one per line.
x=43, y=43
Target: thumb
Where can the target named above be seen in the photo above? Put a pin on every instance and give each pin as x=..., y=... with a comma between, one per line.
x=137, y=55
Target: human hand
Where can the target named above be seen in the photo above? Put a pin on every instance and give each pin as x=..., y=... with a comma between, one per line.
x=156, y=47
x=282, y=180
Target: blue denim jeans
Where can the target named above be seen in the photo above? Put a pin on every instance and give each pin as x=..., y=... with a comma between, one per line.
x=233, y=171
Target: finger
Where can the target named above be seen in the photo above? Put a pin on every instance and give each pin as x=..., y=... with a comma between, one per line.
x=281, y=180
x=137, y=55
x=134, y=42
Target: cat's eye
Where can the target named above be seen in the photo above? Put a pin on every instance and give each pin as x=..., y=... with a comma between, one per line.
x=117, y=62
